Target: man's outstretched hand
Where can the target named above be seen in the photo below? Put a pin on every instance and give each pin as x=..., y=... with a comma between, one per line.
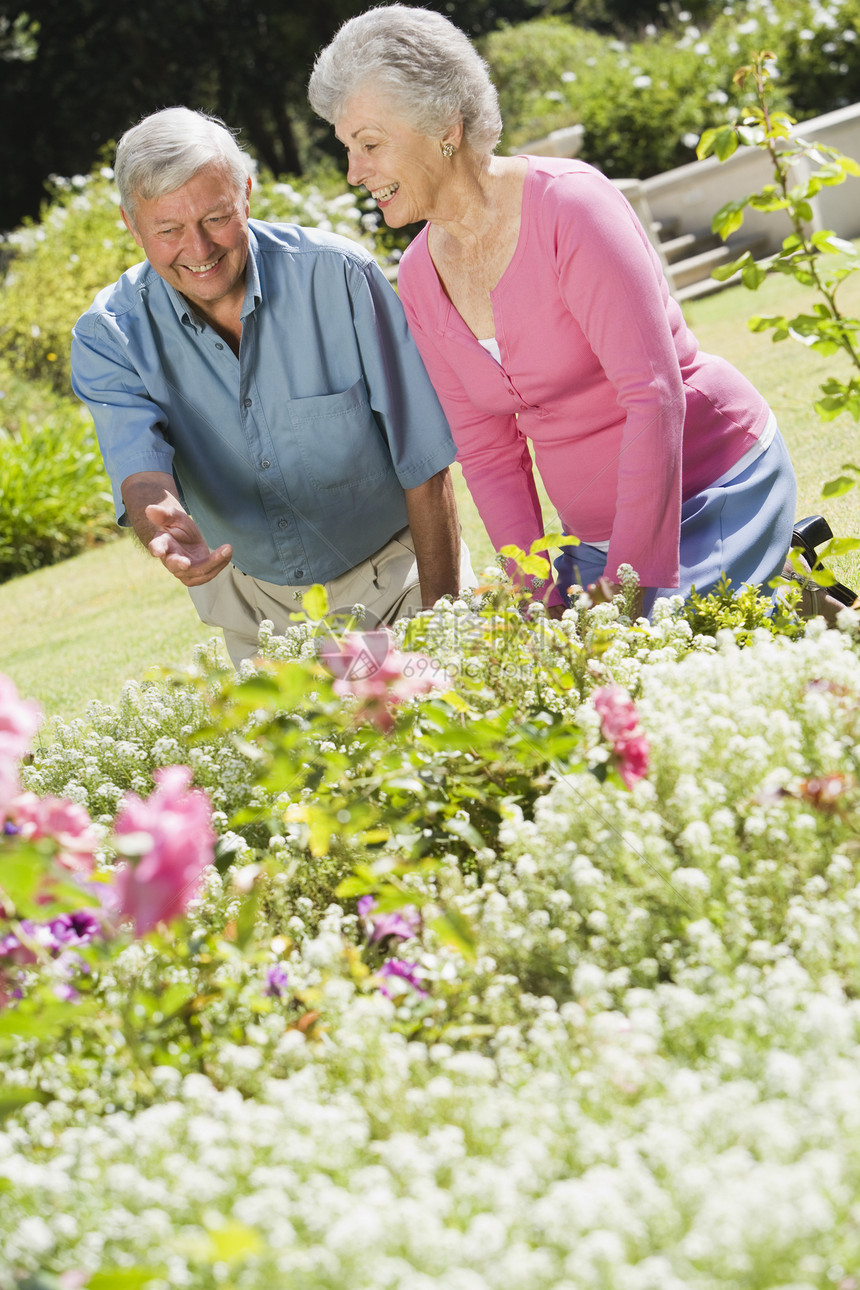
x=167, y=531
x=179, y=545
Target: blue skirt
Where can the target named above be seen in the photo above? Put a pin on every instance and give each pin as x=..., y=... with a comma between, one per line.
x=741, y=528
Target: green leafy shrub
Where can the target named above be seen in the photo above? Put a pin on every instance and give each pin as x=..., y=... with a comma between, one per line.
x=817, y=49
x=644, y=101
x=816, y=259
x=642, y=105
x=54, y=494
x=56, y=267
x=531, y=65
x=744, y=612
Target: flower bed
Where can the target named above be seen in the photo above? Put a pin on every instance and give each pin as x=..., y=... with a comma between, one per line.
x=531, y=960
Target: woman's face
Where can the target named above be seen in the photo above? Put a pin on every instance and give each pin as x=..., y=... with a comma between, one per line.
x=403, y=170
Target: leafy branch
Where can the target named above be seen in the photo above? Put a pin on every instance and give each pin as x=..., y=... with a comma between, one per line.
x=817, y=259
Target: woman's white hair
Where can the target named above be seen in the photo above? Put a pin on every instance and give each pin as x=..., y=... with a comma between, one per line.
x=167, y=149
x=426, y=67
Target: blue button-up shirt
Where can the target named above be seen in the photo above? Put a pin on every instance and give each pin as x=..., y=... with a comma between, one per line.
x=298, y=451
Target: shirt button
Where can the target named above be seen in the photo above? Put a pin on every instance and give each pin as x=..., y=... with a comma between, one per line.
x=282, y=524
x=265, y=464
x=246, y=403
x=218, y=345
x=298, y=573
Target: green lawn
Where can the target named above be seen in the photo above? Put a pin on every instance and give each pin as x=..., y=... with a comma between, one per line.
x=77, y=631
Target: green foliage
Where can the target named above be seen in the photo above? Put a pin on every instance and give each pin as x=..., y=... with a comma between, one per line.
x=54, y=494
x=816, y=259
x=642, y=104
x=817, y=52
x=441, y=785
x=57, y=266
x=644, y=100
x=743, y=612
x=529, y=65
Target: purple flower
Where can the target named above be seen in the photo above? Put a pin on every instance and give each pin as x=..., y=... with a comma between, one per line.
x=365, y=904
x=277, y=981
x=403, y=923
x=400, y=970
x=77, y=928
x=17, y=951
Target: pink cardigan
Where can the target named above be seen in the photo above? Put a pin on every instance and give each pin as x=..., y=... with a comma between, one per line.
x=599, y=370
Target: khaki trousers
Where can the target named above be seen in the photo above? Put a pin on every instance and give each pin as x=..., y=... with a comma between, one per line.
x=386, y=584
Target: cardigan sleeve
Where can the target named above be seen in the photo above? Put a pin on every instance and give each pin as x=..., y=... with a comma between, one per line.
x=612, y=283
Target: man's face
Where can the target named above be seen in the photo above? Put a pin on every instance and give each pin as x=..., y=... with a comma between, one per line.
x=196, y=238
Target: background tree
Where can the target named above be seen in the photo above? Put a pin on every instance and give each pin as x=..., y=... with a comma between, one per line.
x=75, y=73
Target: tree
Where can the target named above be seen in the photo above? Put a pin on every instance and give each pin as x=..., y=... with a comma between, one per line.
x=77, y=73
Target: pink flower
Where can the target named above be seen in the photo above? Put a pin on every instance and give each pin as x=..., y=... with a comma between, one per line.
x=174, y=832
x=633, y=754
x=367, y=667
x=619, y=723
x=616, y=711
x=64, y=821
x=19, y=721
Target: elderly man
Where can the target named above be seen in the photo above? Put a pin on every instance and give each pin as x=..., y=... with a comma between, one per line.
x=263, y=414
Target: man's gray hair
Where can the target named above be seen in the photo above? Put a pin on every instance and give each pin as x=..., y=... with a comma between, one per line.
x=426, y=67
x=167, y=149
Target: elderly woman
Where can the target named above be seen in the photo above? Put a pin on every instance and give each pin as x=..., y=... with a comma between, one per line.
x=542, y=314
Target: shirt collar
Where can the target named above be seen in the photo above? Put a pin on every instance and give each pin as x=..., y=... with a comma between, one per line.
x=253, y=290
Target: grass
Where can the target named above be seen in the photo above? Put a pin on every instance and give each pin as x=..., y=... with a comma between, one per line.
x=789, y=376
x=77, y=631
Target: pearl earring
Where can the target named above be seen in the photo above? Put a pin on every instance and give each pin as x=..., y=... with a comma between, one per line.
x=448, y=150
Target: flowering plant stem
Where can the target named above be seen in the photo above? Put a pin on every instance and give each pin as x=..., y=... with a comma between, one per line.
x=801, y=169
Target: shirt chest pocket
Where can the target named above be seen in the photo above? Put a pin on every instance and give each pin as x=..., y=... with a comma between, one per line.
x=340, y=442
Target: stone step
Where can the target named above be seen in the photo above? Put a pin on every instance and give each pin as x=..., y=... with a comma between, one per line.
x=696, y=268
x=684, y=244
x=665, y=229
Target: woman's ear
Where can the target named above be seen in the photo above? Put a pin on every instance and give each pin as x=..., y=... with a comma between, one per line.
x=453, y=135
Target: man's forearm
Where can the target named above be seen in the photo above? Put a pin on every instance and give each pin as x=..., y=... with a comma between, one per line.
x=148, y=488
x=435, y=528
